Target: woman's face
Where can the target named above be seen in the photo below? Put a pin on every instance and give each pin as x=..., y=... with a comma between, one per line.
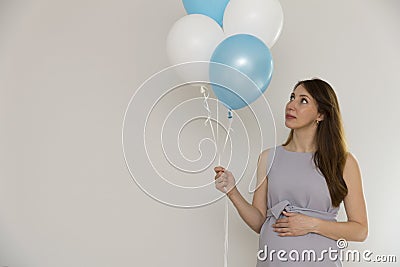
x=301, y=110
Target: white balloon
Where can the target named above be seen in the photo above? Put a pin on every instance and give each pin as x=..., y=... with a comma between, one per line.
x=261, y=18
x=193, y=38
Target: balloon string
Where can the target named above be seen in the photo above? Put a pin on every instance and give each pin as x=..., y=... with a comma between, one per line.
x=203, y=90
x=230, y=118
x=226, y=196
x=226, y=232
x=219, y=156
x=205, y=93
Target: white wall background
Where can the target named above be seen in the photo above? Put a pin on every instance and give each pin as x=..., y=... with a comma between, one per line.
x=67, y=72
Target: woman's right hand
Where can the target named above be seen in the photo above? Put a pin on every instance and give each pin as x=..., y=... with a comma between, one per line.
x=224, y=180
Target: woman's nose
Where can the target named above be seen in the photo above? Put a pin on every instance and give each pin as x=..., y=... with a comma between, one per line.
x=290, y=105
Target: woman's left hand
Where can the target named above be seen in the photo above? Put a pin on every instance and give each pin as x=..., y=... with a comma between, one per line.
x=295, y=224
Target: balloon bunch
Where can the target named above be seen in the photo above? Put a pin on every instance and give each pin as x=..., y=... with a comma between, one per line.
x=237, y=34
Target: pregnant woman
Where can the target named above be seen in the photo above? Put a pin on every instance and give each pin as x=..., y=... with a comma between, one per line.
x=301, y=183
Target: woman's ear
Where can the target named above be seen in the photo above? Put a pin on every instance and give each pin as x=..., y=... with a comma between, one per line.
x=320, y=117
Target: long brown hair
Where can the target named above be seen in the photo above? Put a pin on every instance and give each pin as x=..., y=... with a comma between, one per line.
x=331, y=151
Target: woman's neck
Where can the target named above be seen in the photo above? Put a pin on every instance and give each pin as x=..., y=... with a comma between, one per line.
x=303, y=141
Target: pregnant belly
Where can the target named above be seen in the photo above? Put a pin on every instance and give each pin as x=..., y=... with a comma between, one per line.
x=307, y=250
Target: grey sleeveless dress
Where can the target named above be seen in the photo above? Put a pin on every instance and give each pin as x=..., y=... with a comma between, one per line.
x=296, y=185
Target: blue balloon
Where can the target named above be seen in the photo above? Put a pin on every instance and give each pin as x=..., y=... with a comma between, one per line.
x=243, y=72
x=211, y=8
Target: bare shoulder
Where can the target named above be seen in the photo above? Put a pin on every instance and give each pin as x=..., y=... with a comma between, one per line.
x=351, y=167
x=351, y=161
x=262, y=164
x=264, y=155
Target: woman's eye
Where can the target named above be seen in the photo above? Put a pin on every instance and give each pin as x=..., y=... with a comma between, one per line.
x=291, y=97
x=304, y=101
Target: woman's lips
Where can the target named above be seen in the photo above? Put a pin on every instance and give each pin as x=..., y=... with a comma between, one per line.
x=290, y=117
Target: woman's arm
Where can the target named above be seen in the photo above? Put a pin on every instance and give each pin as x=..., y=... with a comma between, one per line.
x=253, y=214
x=356, y=227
